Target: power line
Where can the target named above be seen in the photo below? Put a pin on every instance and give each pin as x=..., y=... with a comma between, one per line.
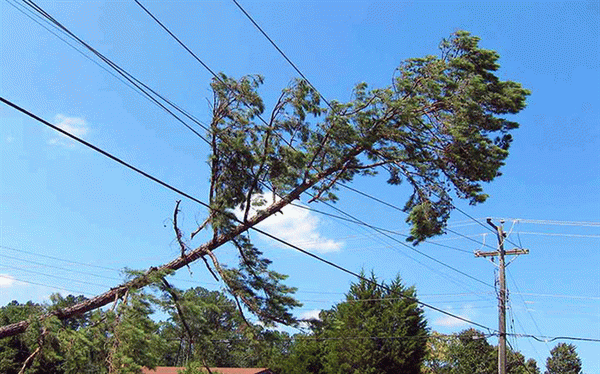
x=317, y=339
x=558, y=296
x=45, y=285
x=547, y=339
x=395, y=207
x=23, y=10
x=183, y=45
x=530, y=342
x=68, y=261
x=53, y=276
x=554, y=222
x=359, y=222
x=382, y=231
x=58, y=258
x=142, y=87
x=282, y=53
x=385, y=299
x=178, y=191
x=559, y=234
x=61, y=268
x=408, y=246
x=527, y=309
x=317, y=91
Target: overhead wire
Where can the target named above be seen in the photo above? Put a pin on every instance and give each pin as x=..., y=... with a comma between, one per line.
x=410, y=247
x=74, y=262
x=183, y=45
x=560, y=234
x=141, y=87
x=381, y=231
x=32, y=16
x=61, y=268
x=53, y=276
x=137, y=83
x=358, y=222
x=330, y=106
x=60, y=288
x=553, y=222
x=283, y=54
x=470, y=217
x=526, y=308
x=539, y=357
x=548, y=339
x=254, y=228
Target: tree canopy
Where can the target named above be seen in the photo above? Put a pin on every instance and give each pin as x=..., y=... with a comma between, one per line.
x=470, y=352
x=441, y=127
x=375, y=330
x=563, y=360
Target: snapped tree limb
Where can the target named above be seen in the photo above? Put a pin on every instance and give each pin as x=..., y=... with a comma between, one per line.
x=440, y=127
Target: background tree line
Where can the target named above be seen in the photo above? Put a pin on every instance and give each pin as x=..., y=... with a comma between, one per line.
x=374, y=330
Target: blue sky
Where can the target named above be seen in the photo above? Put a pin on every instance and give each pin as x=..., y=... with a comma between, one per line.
x=65, y=202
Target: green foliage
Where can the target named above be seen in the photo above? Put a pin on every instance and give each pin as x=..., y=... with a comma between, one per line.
x=563, y=360
x=124, y=339
x=472, y=354
x=441, y=127
x=219, y=335
x=215, y=325
x=469, y=352
x=376, y=330
x=516, y=364
x=436, y=126
x=438, y=359
x=15, y=350
x=133, y=341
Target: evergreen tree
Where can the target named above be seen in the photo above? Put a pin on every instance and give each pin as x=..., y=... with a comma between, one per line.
x=563, y=360
x=122, y=340
x=15, y=349
x=440, y=127
x=375, y=330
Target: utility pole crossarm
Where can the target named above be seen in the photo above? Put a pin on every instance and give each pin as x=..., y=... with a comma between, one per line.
x=515, y=251
x=502, y=294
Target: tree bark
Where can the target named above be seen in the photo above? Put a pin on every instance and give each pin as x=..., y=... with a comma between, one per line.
x=145, y=279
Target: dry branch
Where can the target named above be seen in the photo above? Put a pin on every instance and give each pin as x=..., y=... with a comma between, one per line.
x=176, y=264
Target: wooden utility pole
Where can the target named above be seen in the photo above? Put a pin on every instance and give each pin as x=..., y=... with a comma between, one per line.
x=500, y=253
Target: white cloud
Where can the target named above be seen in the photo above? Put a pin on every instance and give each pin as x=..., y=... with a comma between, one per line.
x=73, y=125
x=6, y=281
x=297, y=226
x=311, y=314
x=307, y=316
x=449, y=321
